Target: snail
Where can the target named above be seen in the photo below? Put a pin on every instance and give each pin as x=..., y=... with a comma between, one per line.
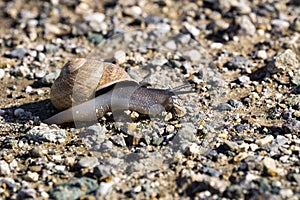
x=87, y=89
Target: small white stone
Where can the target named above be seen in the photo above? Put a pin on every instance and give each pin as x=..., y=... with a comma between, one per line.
x=28, y=89
x=31, y=176
x=13, y=164
x=39, y=47
x=170, y=128
x=286, y=193
x=236, y=38
x=192, y=29
x=136, y=10
x=57, y=158
x=168, y=117
x=94, y=17
x=60, y=168
x=4, y=168
x=266, y=140
x=137, y=189
x=21, y=144
x=171, y=45
x=253, y=146
x=55, y=2
x=2, y=73
x=262, y=54
x=44, y=195
x=39, y=92
x=216, y=45
x=69, y=161
x=33, y=53
x=194, y=149
x=261, y=32
x=18, y=112
x=105, y=188
x=134, y=115
x=120, y=56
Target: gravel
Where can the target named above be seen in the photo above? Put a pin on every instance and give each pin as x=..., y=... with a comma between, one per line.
x=234, y=135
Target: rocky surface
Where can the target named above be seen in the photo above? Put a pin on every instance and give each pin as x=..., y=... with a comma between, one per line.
x=235, y=137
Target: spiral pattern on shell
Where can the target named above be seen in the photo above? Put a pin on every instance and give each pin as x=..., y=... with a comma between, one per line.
x=80, y=78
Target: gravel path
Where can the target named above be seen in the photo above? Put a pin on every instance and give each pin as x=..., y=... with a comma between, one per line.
x=235, y=137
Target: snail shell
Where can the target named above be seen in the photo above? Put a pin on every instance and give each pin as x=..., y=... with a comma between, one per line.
x=80, y=78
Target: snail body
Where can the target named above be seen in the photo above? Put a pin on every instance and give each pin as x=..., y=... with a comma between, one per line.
x=87, y=89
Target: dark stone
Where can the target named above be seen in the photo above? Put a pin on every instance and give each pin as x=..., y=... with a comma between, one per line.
x=238, y=62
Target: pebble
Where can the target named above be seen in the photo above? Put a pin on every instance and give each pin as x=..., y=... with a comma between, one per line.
x=286, y=193
x=284, y=61
x=192, y=55
x=246, y=26
x=31, y=176
x=94, y=17
x=253, y=147
x=216, y=82
x=104, y=188
x=2, y=112
x=137, y=189
x=119, y=140
x=224, y=107
x=296, y=80
x=238, y=62
x=280, y=24
x=191, y=29
x=28, y=89
x=230, y=145
x=159, y=62
x=45, y=133
x=26, y=193
x=133, y=11
x=216, y=45
x=39, y=74
x=270, y=166
x=171, y=45
x=95, y=38
x=266, y=140
x=74, y=188
x=4, y=168
x=2, y=73
x=235, y=103
x=39, y=47
x=50, y=77
x=50, y=48
x=244, y=79
x=88, y=162
x=162, y=28
x=19, y=52
x=19, y=112
x=183, y=38
x=153, y=19
x=94, y=136
x=296, y=24
x=107, y=145
x=120, y=56
x=186, y=133
x=262, y=54
x=291, y=126
x=102, y=171
x=234, y=191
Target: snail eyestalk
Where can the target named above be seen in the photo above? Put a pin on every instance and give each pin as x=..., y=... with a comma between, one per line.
x=178, y=89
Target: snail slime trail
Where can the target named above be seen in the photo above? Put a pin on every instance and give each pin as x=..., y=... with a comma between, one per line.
x=74, y=92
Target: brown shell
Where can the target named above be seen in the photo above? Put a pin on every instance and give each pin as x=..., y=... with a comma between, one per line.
x=80, y=78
